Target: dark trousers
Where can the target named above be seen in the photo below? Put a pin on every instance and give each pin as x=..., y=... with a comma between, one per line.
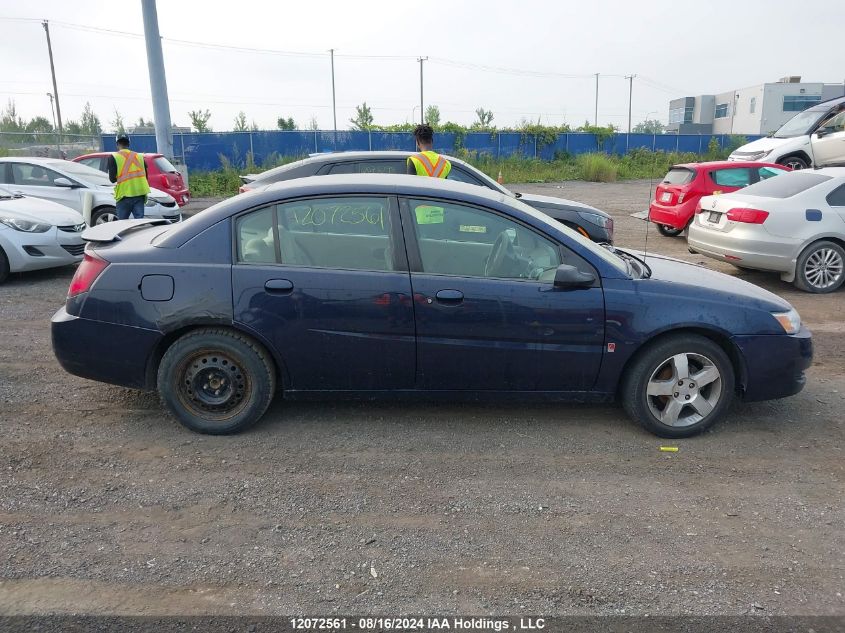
x=130, y=205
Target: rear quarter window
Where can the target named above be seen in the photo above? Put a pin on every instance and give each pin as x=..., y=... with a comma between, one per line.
x=785, y=186
x=679, y=176
x=164, y=165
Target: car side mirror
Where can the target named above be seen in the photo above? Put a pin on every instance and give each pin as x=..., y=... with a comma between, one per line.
x=63, y=182
x=567, y=276
x=822, y=131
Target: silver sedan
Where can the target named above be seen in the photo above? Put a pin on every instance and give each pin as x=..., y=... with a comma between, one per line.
x=793, y=224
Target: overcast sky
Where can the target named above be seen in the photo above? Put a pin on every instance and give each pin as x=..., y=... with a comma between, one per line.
x=676, y=49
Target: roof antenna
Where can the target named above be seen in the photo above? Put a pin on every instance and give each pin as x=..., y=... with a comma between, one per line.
x=648, y=211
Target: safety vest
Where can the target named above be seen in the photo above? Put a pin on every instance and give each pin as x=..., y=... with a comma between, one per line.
x=432, y=164
x=131, y=175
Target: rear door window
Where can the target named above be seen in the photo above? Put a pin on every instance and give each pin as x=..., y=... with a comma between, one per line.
x=732, y=177
x=679, y=176
x=456, y=173
x=786, y=186
x=94, y=162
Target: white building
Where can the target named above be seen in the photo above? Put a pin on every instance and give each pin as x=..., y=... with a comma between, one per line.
x=755, y=110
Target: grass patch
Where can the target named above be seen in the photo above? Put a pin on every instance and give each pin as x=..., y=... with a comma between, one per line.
x=596, y=168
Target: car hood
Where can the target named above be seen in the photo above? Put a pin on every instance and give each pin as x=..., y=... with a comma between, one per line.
x=160, y=196
x=551, y=202
x=766, y=144
x=675, y=271
x=38, y=210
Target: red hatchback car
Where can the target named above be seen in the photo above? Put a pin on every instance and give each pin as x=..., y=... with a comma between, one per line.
x=161, y=173
x=677, y=196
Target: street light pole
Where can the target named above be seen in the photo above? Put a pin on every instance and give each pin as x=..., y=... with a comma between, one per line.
x=597, y=101
x=158, y=80
x=422, y=111
x=630, y=79
x=334, y=102
x=46, y=26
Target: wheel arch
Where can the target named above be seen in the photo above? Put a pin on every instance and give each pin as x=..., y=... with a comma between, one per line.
x=798, y=153
x=170, y=337
x=722, y=339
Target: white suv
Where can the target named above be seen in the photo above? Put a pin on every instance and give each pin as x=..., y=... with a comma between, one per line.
x=63, y=181
x=814, y=137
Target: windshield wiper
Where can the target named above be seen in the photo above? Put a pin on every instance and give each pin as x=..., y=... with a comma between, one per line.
x=610, y=247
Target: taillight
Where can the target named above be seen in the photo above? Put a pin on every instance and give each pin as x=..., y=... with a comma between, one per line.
x=91, y=267
x=748, y=216
x=681, y=196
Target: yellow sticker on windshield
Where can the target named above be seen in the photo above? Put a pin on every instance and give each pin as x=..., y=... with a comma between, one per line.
x=429, y=215
x=468, y=228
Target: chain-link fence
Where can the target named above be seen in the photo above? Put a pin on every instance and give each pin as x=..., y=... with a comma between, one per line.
x=48, y=144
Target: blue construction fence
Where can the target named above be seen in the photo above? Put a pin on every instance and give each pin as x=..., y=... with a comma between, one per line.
x=206, y=151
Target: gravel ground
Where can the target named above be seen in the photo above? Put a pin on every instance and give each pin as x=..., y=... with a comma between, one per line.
x=107, y=506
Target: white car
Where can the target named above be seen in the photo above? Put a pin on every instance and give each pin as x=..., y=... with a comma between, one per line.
x=815, y=136
x=793, y=224
x=36, y=234
x=63, y=182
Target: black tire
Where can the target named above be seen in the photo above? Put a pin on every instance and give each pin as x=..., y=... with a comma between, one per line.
x=654, y=365
x=669, y=231
x=794, y=162
x=103, y=214
x=4, y=266
x=199, y=366
x=820, y=268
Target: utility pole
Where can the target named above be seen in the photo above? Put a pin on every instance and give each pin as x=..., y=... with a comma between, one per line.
x=422, y=112
x=630, y=79
x=53, y=110
x=334, y=102
x=158, y=81
x=597, y=101
x=55, y=89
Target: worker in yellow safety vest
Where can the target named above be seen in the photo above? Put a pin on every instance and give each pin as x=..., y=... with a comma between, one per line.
x=427, y=162
x=127, y=171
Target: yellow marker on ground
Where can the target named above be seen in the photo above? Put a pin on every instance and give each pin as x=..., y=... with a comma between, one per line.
x=669, y=449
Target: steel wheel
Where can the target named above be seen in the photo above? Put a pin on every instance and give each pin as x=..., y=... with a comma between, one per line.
x=684, y=389
x=213, y=385
x=823, y=268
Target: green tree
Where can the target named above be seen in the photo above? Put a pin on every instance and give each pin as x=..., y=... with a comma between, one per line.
x=10, y=121
x=39, y=124
x=253, y=126
x=199, y=119
x=240, y=122
x=117, y=122
x=89, y=123
x=72, y=127
x=363, y=118
x=313, y=125
x=485, y=118
x=432, y=116
x=285, y=124
x=649, y=126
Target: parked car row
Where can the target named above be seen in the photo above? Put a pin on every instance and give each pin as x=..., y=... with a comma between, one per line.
x=41, y=207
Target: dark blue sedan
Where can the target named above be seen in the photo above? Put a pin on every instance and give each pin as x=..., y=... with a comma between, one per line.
x=374, y=286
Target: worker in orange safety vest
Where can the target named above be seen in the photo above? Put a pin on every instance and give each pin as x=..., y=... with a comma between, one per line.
x=427, y=162
x=128, y=172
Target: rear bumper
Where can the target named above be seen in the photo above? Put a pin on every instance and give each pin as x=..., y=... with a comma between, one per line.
x=775, y=364
x=763, y=253
x=107, y=352
x=676, y=216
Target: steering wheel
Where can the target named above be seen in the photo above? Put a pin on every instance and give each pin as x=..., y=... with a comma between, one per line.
x=501, y=247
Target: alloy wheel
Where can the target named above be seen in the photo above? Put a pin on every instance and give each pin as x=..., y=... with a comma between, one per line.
x=684, y=389
x=106, y=217
x=824, y=268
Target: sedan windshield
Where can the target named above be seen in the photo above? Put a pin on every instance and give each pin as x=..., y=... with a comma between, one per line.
x=801, y=123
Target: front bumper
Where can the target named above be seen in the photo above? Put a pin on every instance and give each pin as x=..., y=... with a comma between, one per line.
x=37, y=251
x=107, y=352
x=775, y=364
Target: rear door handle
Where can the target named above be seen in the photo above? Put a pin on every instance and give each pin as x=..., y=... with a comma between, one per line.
x=278, y=286
x=450, y=297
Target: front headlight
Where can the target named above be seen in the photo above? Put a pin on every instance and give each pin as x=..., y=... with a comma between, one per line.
x=150, y=202
x=594, y=218
x=789, y=321
x=25, y=225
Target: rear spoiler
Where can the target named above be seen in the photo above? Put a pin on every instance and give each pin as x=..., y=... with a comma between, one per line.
x=245, y=180
x=112, y=231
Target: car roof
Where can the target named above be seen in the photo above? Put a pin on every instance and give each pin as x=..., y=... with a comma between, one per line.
x=343, y=185
x=343, y=157
x=721, y=164
x=100, y=154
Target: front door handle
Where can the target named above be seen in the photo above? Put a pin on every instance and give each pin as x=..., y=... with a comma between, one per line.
x=278, y=286
x=450, y=297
